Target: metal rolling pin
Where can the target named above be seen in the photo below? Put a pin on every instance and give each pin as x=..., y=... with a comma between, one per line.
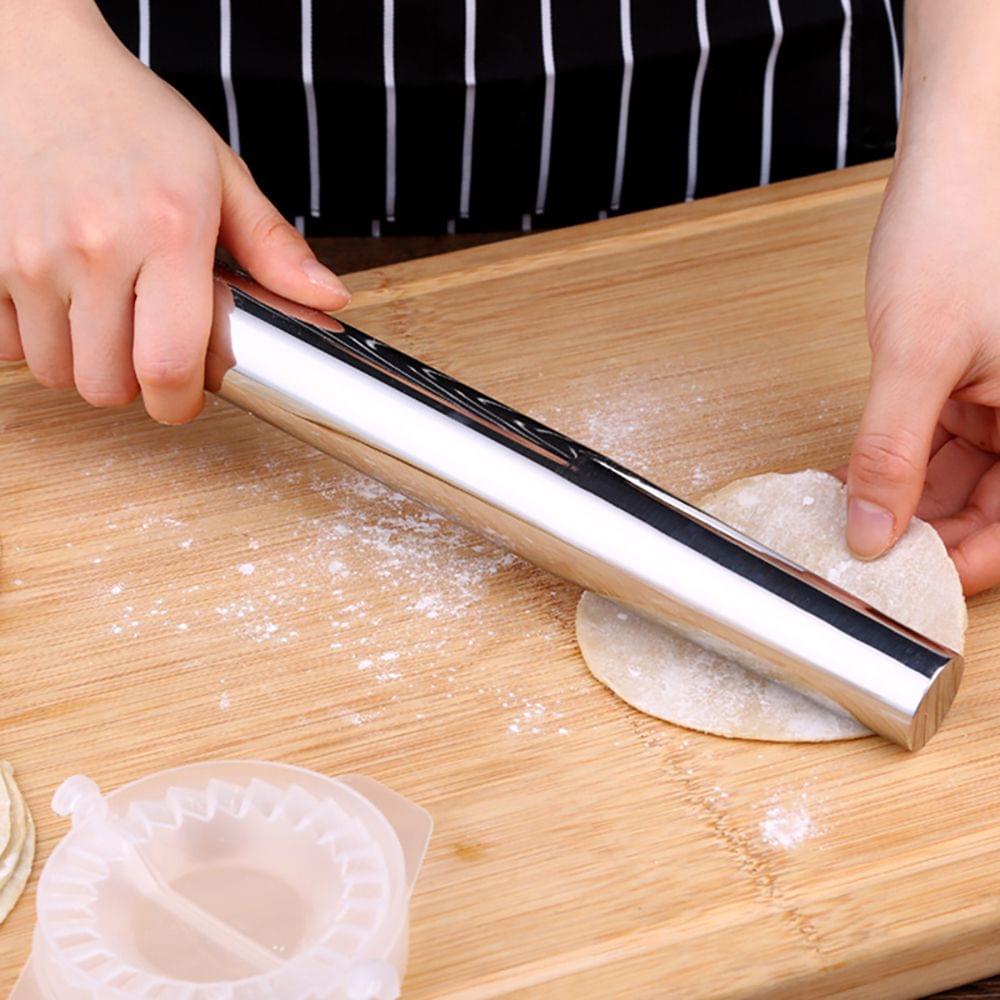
x=571, y=510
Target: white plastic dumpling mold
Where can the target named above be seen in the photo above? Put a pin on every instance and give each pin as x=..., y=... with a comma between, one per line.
x=235, y=880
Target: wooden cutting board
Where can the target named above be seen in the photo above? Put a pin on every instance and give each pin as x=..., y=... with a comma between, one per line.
x=219, y=590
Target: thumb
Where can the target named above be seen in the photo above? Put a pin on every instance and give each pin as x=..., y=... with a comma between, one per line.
x=885, y=478
x=271, y=249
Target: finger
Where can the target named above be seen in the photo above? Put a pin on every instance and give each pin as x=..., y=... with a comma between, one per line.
x=940, y=439
x=10, y=338
x=100, y=321
x=977, y=559
x=173, y=317
x=953, y=530
x=889, y=459
x=985, y=497
x=271, y=249
x=977, y=424
x=43, y=325
x=952, y=476
x=982, y=510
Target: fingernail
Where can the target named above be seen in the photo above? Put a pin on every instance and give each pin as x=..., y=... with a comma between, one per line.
x=869, y=528
x=324, y=277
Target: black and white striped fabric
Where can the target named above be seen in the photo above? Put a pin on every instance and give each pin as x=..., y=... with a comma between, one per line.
x=380, y=116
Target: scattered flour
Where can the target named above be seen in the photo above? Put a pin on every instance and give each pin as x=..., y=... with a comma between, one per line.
x=625, y=423
x=787, y=824
x=344, y=562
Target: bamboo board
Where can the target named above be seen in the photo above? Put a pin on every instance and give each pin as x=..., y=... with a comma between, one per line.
x=219, y=590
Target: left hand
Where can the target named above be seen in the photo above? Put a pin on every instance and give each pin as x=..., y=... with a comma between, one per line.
x=929, y=441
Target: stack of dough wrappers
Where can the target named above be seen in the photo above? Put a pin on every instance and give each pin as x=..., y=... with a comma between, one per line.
x=17, y=841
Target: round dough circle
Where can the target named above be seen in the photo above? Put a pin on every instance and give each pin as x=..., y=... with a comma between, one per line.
x=802, y=516
x=19, y=852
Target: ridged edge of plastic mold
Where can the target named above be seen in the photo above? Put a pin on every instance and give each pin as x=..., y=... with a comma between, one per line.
x=346, y=835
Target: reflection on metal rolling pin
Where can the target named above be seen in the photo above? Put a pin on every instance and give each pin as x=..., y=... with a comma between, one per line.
x=570, y=510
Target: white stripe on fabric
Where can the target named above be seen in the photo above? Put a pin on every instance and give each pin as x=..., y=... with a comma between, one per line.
x=549, y=59
x=300, y=224
x=526, y=222
x=699, y=82
x=226, y=72
x=312, y=120
x=623, y=105
x=767, y=118
x=389, y=72
x=845, y=83
x=144, y=31
x=895, y=52
x=470, y=107
x=376, y=227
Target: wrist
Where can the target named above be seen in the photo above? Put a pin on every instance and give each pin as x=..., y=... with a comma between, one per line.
x=951, y=79
x=30, y=31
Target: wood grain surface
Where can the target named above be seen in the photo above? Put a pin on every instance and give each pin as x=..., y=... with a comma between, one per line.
x=219, y=590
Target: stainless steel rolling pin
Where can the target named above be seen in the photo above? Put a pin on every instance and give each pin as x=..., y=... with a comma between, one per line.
x=571, y=510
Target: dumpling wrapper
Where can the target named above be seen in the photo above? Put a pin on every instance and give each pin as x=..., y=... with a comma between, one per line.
x=14, y=888
x=5, y=820
x=19, y=855
x=801, y=515
x=18, y=823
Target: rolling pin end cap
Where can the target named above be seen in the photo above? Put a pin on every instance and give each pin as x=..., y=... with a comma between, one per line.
x=935, y=703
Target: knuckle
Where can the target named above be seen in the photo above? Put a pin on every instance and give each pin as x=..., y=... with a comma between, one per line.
x=272, y=230
x=169, y=215
x=92, y=232
x=30, y=259
x=883, y=459
x=166, y=373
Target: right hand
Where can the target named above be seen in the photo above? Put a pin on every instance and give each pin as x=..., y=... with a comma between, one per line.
x=113, y=194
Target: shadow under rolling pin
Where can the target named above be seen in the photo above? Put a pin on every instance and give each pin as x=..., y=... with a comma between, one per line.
x=570, y=510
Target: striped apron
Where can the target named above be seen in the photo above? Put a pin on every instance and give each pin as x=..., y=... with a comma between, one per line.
x=426, y=116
